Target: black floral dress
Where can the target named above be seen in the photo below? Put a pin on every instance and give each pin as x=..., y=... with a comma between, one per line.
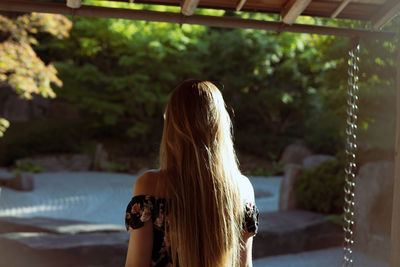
x=142, y=208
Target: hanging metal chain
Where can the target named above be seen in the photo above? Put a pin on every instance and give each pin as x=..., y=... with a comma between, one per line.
x=351, y=147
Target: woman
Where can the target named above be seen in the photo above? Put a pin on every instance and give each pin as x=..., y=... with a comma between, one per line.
x=197, y=210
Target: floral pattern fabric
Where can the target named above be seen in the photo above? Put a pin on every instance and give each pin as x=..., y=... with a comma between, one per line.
x=142, y=208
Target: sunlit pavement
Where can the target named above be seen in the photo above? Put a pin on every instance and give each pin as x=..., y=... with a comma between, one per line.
x=98, y=197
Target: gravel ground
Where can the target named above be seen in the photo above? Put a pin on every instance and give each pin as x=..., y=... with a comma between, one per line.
x=98, y=197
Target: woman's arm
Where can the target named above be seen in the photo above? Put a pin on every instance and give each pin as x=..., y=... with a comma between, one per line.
x=245, y=255
x=247, y=192
x=140, y=246
x=141, y=239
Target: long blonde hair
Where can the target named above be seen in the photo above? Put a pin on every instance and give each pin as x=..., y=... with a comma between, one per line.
x=205, y=213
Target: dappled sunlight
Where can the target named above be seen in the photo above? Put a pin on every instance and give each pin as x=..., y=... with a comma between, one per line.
x=80, y=228
x=82, y=196
x=55, y=205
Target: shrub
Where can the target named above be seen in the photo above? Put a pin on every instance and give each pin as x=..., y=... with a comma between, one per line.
x=117, y=167
x=321, y=189
x=27, y=139
x=275, y=170
x=27, y=166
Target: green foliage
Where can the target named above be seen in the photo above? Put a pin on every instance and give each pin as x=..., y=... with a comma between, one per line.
x=27, y=166
x=123, y=71
x=282, y=87
x=321, y=189
x=4, y=124
x=116, y=167
x=336, y=219
x=275, y=170
x=24, y=140
x=19, y=64
x=20, y=67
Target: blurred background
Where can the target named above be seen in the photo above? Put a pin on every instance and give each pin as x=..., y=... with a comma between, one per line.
x=81, y=114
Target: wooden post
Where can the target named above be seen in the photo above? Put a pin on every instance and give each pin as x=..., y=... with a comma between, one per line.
x=395, y=234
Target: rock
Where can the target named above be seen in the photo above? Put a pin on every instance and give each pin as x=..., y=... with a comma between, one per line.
x=295, y=153
x=101, y=158
x=293, y=231
x=41, y=242
x=374, y=182
x=55, y=226
x=21, y=182
x=69, y=162
x=287, y=198
x=15, y=108
x=5, y=174
x=315, y=160
x=44, y=248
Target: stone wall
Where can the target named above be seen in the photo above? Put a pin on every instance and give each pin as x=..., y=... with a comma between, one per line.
x=14, y=108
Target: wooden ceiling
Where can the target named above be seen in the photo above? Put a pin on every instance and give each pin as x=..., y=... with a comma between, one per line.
x=376, y=11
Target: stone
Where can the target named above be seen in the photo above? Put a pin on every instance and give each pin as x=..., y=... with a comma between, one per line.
x=295, y=153
x=41, y=247
x=55, y=226
x=5, y=174
x=21, y=182
x=101, y=158
x=293, y=231
x=42, y=242
x=315, y=160
x=16, y=109
x=67, y=162
x=374, y=180
x=287, y=198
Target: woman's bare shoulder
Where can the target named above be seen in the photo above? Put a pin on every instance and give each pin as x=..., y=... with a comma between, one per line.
x=146, y=183
x=246, y=189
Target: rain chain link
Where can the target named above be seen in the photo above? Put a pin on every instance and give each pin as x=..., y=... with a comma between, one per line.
x=351, y=147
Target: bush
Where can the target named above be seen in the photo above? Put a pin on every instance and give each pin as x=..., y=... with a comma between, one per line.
x=27, y=166
x=275, y=170
x=321, y=189
x=27, y=139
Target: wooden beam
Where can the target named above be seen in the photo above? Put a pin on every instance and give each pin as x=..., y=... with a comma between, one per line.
x=340, y=8
x=189, y=6
x=395, y=234
x=240, y=5
x=74, y=3
x=386, y=14
x=293, y=9
x=212, y=21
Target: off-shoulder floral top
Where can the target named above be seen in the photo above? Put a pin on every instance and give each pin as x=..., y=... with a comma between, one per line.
x=142, y=208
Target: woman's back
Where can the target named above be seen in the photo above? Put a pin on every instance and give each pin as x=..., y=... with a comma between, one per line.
x=200, y=179
x=150, y=204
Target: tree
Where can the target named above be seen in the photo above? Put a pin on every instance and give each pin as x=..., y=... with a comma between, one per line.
x=20, y=66
x=282, y=86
